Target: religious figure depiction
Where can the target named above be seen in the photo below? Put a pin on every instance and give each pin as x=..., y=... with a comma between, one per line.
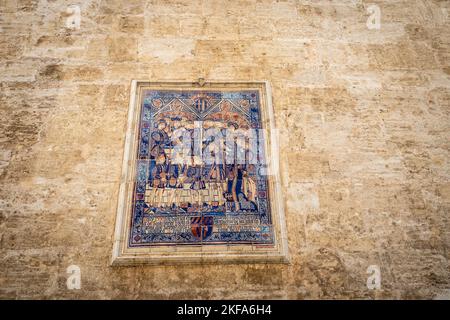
x=200, y=166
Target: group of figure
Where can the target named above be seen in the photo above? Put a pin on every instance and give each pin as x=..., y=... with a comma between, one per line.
x=174, y=184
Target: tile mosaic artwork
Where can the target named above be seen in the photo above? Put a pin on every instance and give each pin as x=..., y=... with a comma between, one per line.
x=180, y=200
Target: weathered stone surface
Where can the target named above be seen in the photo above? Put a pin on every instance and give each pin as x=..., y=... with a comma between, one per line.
x=364, y=124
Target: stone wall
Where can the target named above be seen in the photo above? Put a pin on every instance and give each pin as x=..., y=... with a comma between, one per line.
x=364, y=116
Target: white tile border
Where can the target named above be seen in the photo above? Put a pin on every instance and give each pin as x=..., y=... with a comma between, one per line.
x=196, y=254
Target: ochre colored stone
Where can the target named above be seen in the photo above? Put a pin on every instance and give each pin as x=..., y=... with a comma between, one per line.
x=363, y=117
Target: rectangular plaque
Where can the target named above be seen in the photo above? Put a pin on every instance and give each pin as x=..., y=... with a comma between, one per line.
x=200, y=180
